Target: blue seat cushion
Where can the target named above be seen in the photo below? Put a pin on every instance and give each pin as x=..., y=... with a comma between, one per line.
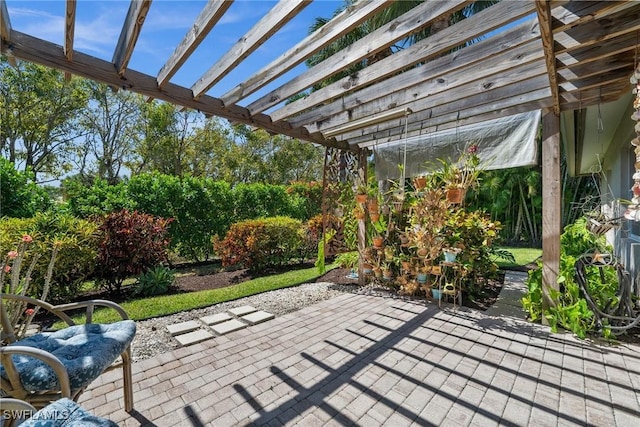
x=84, y=350
x=65, y=413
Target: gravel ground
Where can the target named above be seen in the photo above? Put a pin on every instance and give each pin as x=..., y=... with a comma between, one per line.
x=152, y=337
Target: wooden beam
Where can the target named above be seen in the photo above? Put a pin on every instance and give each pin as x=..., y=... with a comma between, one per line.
x=278, y=16
x=543, y=8
x=551, y=206
x=210, y=15
x=507, y=68
x=419, y=17
x=51, y=55
x=136, y=15
x=5, y=22
x=347, y=20
x=5, y=31
x=437, y=71
x=433, y=46
x=69, y=31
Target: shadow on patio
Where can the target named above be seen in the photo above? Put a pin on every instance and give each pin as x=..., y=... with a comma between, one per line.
x=359, y=360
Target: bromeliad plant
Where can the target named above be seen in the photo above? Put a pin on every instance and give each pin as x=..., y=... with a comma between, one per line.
x=14, y=281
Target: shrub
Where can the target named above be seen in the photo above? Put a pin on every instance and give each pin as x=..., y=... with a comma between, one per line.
x=307, y=197
x=572, y=311
x=474, y=233
x=253, y=201
x=155, y=281
x=20, y=196
x=77, y=243
x=130, y=243
x=261, y=243
x=98, y=199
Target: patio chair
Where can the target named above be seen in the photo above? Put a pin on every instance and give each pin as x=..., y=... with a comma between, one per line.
x=51, y=365
x=61, y=413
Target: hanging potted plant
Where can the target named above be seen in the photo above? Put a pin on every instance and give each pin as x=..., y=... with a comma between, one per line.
x=461, y=175
x=361, y=194
x=359, y=213
x=420, y=182
x=378, y=241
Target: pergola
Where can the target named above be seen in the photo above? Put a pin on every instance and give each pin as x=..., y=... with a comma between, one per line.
x=534, y=54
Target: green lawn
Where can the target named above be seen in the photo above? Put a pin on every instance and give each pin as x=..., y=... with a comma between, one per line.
x=523, y=257
x=164, y=305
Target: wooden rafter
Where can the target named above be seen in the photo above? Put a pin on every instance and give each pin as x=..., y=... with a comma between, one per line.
x=136, y=15
x=383, y=38
x=423, y=51
x=51, y=55
x=69, y=31
x=278, y=16
x=5, y=22
x=206, y=20
x=341, y=24
x=543, y=8
x=5, y=30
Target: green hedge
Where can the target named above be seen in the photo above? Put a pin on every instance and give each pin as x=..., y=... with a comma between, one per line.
x=20, y=196
x=200, y=207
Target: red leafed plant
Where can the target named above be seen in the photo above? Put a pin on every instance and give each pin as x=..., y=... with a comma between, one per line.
x=130, y=243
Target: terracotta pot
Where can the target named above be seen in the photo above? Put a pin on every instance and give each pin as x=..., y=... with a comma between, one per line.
x=455, y=195
x=377, y=242
x=420, y=182
x=406, y=265
x=422, y=252
x=375, y=216
x=387, y=274
x=377, y=271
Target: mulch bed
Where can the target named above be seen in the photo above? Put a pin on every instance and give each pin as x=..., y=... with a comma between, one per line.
x=222, y=279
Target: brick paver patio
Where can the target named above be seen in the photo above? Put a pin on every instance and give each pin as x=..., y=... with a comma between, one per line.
x=370, y=361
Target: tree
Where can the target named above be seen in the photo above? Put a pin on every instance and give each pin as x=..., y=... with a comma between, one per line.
x=167, y=143
x=38, y=112
x=112, y=125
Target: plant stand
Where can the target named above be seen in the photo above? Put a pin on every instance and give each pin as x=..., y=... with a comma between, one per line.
x=450, y=282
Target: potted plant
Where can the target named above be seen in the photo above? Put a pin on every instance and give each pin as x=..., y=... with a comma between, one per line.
x=361, y=194
x=460, y=175
x=358, y=212
x=387, y=272
x=420, y=182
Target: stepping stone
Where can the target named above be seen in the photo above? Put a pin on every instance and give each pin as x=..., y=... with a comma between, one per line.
x=216, y=318
x=182, y=328
x=241, y=311
x=193, y=337
x=228, y=326
x=257, y=317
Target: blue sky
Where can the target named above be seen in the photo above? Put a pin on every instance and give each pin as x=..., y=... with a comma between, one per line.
x=98, y=25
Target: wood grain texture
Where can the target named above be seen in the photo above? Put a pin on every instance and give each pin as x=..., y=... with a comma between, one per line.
x=338, y=26
x=421, y=52
x=543, y=9
x=279, y=15
x=136, y=15
x=51, y=55
x=204, y=23
x=551, y=205
x=375, y=42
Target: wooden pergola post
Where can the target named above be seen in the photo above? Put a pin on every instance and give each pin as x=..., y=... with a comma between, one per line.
x=551, y=205
x=362, y=223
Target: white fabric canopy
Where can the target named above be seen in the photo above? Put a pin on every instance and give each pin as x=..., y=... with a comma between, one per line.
x=502, y=143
